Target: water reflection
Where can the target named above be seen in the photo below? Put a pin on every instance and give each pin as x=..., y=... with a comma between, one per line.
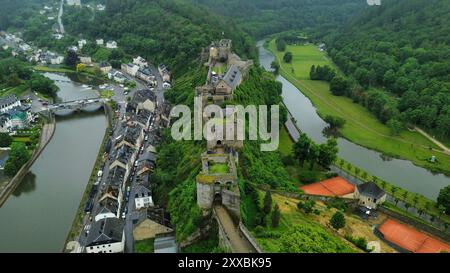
x=27, y=185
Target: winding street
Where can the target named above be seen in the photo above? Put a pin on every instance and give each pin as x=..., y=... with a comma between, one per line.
x=60, y=14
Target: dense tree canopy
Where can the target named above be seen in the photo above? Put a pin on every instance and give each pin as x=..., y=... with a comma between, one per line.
x=402, y=47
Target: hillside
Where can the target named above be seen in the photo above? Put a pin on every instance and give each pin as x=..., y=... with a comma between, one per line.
x=403, y=48
x=264, y=17
x=170, y=31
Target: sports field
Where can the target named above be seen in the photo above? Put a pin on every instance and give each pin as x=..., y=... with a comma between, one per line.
x=361, y=127
x=410, y=239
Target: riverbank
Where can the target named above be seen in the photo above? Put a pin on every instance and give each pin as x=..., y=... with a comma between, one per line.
x=362, y=127
x=77, y=224
x=47, y=133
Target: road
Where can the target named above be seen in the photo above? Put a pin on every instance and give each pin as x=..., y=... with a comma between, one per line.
x=238, y=242
x=432, y=139
x=60, y=14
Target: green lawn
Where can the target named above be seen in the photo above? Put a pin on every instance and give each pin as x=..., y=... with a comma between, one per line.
x=362, y=127
x=286, y=142
x=55, y=70
x=106, y=94
x=218, y=168
x=144, y=246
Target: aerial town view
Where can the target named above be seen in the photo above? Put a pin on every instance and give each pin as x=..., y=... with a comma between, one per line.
x=225, y=126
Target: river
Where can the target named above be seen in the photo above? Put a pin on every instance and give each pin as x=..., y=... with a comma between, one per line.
x=38, y=215
x=401, y=173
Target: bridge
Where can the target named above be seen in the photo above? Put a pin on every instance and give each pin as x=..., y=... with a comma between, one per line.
x=68, y=107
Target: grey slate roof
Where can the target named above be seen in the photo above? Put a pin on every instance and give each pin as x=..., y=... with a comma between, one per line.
x=105, y=231
x=233, y=76
x=371, y=190
x=166, y=245
x=8, y=100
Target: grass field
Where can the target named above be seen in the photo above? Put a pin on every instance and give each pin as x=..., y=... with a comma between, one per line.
x=292, y=216
x=55, y=70
x=144, y=246
x=286, y=143
x=361, y=127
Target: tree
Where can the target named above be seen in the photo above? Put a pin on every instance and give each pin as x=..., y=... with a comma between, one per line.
x=276, y=216
x=276, y=67
x=328, y=153
x=281, y=44
x=5, y=140
x=314, y=152
x=302, y=148
x=335, y=122
x=18, y=156
x=287, y=58
x=267, y=203
x=80, y=67
x=338, y=220
x=444, y=199
x=71, y=58
x=43, y=85
x=395, y=126
x=339, y=86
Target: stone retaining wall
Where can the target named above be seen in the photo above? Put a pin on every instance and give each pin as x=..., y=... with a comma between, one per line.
x=15, y=181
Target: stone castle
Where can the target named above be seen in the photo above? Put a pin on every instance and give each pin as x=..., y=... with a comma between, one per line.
x=217, y=182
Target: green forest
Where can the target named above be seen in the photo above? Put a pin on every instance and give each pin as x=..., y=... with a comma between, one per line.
x=265, y=17
x=400, y=52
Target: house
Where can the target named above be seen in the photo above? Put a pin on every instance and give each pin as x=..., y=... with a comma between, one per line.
x=86, y=60
x=111, y=44
x=146, y=163
x=81, y=43
x=141, y=62
x=130, y=69
x=101, y=7
x=99, y=41
x=74, y=2
x=166, y=85
x=106, y=236
x=142, y=197
x=230, y=81
x=50, y=18
x=8, y=103
x=105, y=67
x=143, y=99
x=117, y=76
x=109, y=207
x=164, y=72
x=146, y=75
x=322, y=47
x=166, y=244
x=58, y=36
x=153, y=223
x=370, y=195
x=57, y=60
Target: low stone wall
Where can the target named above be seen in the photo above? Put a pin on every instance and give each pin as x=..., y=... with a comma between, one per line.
x=250, y=238
x=15, y=181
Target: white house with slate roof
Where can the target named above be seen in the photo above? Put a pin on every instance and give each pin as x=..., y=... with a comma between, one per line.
x=369, y=195
x=8, y=103
x=106, y=236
